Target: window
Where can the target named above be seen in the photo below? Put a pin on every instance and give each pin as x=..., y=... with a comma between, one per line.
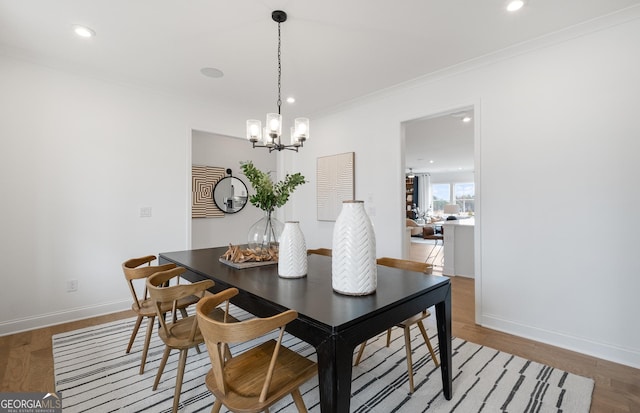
x=441, y=197
x=465, y=194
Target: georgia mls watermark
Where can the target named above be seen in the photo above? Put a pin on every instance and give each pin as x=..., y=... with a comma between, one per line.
x=30, y=402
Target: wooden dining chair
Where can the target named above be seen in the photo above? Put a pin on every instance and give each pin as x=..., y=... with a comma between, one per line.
x=320, y=251
x=429, y=232
x=257, y=378
x=135, y=269
x=406, y=324
x=177, y=334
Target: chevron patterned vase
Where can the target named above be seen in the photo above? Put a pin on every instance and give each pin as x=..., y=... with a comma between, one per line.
x=292, y=259
x=354, y=270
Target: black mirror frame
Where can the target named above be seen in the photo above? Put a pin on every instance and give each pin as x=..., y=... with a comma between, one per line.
x=227, y=204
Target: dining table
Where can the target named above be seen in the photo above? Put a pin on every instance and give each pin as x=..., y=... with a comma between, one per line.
x=333, y=323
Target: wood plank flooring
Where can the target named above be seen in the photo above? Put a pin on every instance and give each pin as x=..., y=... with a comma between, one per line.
x=617, y=387
x=26, y=362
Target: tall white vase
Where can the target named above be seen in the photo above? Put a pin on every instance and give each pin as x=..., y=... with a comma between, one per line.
x=292, y=258
x=354, y=270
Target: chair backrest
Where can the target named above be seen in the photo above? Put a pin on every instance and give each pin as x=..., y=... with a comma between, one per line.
x=409, y=265
x=217, y=335
x=321, y=251
x=166, y=297
x=133, y=271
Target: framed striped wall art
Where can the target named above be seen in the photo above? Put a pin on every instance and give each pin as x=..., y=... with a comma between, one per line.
x=335, y=182
x=203, y=180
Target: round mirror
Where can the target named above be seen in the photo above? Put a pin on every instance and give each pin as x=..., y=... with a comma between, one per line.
x=230, y=194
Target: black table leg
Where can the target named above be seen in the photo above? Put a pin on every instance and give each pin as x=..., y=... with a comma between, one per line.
x=335, y=358
x=443, y=318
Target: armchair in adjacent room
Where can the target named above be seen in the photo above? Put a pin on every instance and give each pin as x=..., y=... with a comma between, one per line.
x=416, y=229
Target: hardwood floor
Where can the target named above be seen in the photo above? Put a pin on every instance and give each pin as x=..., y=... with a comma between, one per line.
x=617, y=387
x=26, y=362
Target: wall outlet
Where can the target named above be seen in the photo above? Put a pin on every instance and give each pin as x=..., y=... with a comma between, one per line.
x=145, y=212
x=72, y=286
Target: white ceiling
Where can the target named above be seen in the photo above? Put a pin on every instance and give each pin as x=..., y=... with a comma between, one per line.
x=440, y=144
x=333, y=51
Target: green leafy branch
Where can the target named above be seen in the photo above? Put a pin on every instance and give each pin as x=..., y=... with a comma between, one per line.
x=269, y=196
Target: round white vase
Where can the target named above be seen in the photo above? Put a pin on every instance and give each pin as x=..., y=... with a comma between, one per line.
x=292, y=258
x=353, y=267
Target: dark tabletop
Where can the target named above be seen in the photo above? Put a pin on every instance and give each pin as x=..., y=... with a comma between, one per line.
x=312, y=296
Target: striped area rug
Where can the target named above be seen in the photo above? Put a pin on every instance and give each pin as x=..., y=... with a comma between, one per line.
x=94, y=374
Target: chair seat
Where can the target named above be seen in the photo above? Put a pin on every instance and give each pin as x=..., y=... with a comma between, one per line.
x=414, y=319
x=180, y=331
x=437, y=237
x=148, y=309
x=245, y=374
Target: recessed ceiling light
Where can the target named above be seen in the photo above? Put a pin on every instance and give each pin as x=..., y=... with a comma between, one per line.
x=431, y=161
x=83, y=31
x=291, y=99
x=466, y=119
x=211, y=72
x=515, y=5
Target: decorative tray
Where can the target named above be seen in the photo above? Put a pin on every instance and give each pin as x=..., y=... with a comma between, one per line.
x=246, y=264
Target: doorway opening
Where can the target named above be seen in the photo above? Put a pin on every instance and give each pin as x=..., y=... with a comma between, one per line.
x=441, y=183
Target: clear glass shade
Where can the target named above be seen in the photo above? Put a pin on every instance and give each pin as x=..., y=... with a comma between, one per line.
x=274, y=124
x=301, y=126
x=270, y=134
x=254, y=130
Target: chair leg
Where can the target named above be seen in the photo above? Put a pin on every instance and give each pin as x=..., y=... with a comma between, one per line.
x=147, y=340
x=360, y=351
x=216, y=406
x=184, y=313
x=388, y=337
x=179, y=375
x=407, y=345
x=297, y=399
x=165, y=357
x=134, y=333
x=428, y=343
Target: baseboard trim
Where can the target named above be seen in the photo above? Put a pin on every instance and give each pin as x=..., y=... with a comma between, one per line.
x=626, y=356
x=60, y=317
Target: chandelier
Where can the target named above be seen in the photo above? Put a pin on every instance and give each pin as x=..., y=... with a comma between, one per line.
x=270, y=136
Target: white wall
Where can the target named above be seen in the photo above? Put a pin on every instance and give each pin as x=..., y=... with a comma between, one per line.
x=558, y=135
x=80, y=157
x=227, y=152
x=556, y=125
x=451, y=177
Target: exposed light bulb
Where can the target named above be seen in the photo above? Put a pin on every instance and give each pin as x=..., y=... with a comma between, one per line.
x=273, y=124
x=83, y=31
x=515, y=5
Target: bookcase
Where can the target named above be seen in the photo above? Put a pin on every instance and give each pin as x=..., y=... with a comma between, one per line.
x=409, y=197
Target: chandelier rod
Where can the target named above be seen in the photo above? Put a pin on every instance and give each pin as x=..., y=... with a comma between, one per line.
x=279, y=68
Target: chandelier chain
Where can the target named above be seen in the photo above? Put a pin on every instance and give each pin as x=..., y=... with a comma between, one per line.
x=279, y=69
